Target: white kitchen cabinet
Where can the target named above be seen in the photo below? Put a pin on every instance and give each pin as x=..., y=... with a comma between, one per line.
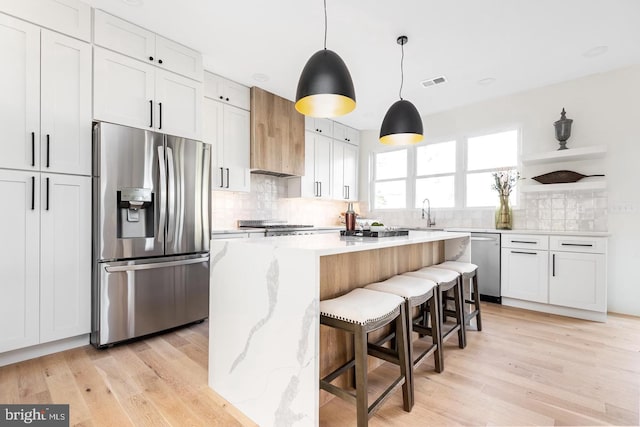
x=226, y=91
x=19, y=260
x=71, y=17
x=346, y=134
x=65, y=256
x=226, y=128
x=578, y=273
x=129, y=39
x=345, y=171
x=136, y=94
x=316, y=181
x=319, y=125
x=20, y=89
x=65, y=105
x=524, y=274
x=45, y=273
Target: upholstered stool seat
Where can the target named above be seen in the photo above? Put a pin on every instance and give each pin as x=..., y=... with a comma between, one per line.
x=422, y=293
x=468, y=272
x=447, y=280
x=360, y=312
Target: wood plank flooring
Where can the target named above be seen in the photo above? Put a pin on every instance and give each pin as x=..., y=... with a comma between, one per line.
x=524, y=368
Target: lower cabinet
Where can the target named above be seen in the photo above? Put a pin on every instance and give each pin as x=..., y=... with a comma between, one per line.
x=559, y=274
x=45, y=258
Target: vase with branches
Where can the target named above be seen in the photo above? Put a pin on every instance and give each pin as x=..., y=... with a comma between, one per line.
x=504, y=182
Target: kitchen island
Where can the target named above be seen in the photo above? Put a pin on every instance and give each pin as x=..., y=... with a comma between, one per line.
x=264, y=328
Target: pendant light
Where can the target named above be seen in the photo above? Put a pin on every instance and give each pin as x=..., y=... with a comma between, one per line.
x=325, y=88
x=402, y=124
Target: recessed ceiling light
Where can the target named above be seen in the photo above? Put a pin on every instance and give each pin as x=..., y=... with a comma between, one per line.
x=595, y=51
x=133, y=2
x=486, y=81
x=259, y=77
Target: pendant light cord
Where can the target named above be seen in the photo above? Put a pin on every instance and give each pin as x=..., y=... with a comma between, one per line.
x=325, y=24
x=401, y=69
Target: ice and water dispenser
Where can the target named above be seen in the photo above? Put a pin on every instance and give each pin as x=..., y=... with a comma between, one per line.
x=135, y=213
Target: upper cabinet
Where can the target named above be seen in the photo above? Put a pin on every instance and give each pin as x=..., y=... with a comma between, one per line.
x=318, y=125
x=227, y=129
x=345, y=171
x=137, y=94
x=346, y=134
x=129, y=39
x=226, y=91
x=277, y=135
x=46, y=87
x=71, y=17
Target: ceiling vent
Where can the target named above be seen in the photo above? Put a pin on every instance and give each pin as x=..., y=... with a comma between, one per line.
x=434, y=81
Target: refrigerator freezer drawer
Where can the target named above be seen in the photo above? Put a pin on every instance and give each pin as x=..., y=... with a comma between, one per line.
x=142, y=297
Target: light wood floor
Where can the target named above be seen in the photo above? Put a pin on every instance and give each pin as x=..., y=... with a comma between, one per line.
x=524, y=368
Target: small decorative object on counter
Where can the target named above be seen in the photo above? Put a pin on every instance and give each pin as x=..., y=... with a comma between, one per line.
x=504, y=183
x=563, y=130
x=350, y=218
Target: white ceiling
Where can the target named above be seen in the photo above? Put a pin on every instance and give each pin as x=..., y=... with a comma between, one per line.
x=522, y=44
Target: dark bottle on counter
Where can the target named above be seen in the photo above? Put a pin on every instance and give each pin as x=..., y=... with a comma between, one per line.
x=350, y=218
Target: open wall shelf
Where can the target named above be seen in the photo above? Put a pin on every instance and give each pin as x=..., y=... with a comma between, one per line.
x=568, y=155
x=572, y=186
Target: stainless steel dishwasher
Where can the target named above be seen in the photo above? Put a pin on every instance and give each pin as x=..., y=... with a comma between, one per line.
x=485, y=253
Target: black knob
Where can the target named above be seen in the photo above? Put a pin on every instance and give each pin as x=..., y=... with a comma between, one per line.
x=159, y=61
x=226, y=99
x=221, y=97
x=151, y=58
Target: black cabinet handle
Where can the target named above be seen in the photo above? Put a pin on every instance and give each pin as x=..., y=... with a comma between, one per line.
x=227, y=177
x=523, y=241
x=348, y=192
x=151, y=113
x=151, y=58
x=160, y=118
x=315, y=188
x=226, y=99
x=48, y=150
x=159, y=61
x=221, y=177
x=221, y=97
x=33, y=148
x=586, y=245
x=524, y=253
x=553, y=265
x=320, y=184
x=33, y=193
x=47, y=194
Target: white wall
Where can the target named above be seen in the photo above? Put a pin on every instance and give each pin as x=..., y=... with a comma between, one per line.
x=605, y=109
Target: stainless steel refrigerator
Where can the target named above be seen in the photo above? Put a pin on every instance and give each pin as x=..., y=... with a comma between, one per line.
x=151, y=231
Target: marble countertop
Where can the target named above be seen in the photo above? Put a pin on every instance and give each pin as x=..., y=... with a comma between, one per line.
x=333, y=243
x=548, y=232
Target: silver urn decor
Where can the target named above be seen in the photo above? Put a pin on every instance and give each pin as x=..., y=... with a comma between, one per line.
x=563, y=130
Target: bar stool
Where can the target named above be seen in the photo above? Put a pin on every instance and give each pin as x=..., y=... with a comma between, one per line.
x=446, y=280
x=422, y=293
x=360, y=312
x=469, y=272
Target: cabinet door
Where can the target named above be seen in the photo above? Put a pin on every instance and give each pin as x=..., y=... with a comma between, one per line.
x=525, y=274
x=123, y=90
x=66, y=105
x=308, y=185
x=350, y=168
x=226, y=91
x=236, y=142
x=124, y=37
x=353, y=136
x=339, y=189
x=71, y=17
x=179, y=105
x=65, y=256
x=19, y=259
x=212, y=133
x=578, y=280
x=178, y=58
x=322, y=165
x=317, y=125
x=20, y=89
x=339, y=132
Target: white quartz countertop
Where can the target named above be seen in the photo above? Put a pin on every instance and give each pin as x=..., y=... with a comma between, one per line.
x=333, y=243
x=547, y=232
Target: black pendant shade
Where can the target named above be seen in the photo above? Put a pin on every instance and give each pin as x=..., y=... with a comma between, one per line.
x=402, y=124
x=325, y=88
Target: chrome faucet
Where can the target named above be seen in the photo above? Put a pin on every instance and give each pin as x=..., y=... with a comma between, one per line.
x=429, y=221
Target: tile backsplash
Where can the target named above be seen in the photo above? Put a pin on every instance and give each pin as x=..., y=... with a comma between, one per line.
x=268, y=200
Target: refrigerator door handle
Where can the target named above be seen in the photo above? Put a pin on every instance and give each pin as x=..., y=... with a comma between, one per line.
x=151, y=266
x=163, y=191
x=171, y=209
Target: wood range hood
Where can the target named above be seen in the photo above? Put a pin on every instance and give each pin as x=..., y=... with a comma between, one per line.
x=277, y=135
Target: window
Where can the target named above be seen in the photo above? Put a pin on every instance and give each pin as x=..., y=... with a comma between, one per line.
x=390, y=179
x=435, y=174
x=487, y=154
